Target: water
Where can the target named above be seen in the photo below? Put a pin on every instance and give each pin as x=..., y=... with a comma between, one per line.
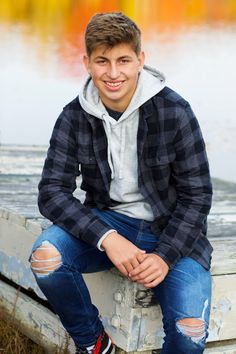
x=22, y=160
x=20, y=170
x=192, y=42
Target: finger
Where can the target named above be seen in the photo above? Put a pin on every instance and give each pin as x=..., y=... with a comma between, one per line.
x=131, y=264
x=140, y=268
x=135, y=263
x=122, y=269
x=152, y=284
x=128, y=266
x=147, y=274
x=148, y=278
x=142, y=256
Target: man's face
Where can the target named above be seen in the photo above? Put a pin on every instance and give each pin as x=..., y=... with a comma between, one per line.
x=115, y=73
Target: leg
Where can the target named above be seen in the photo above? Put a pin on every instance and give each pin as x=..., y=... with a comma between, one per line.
x=184, y=295
x=185, y=299
x=57, y=261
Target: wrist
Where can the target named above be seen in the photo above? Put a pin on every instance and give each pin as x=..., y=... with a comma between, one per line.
x=108, y=239
x=99, y=244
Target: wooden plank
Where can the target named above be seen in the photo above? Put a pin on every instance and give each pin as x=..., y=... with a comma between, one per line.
x=33, y=319
x=42, y=326
x=219, y=348
x=222, y=322
x=15, y=247
x=222, y=348
x=224, y=256
x=123, y=310
x=19, y=193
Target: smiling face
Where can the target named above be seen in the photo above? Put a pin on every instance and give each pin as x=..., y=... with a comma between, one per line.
x=115, y=72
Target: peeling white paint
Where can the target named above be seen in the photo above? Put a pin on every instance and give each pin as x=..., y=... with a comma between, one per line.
x=140, y=328
x=223, y=305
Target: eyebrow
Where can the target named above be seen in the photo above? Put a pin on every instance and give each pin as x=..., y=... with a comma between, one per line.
x=100, y=57
x=122, y=57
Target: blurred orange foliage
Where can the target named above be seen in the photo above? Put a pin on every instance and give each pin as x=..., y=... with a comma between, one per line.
x=63, y=22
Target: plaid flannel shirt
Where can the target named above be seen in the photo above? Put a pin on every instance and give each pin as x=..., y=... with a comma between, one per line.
x=173, y=176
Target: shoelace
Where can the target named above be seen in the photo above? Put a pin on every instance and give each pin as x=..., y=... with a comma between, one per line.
x=85, y=350
x=82, y=351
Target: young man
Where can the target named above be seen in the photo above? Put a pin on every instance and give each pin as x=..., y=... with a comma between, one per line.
x=141, y=155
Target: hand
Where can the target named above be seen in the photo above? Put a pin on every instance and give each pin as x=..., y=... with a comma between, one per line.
x=124, y=254
x=151, y=271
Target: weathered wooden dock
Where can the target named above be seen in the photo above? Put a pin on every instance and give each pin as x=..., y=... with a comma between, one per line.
x=129, y=311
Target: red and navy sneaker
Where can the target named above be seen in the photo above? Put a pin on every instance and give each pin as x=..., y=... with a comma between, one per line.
x=103, y=345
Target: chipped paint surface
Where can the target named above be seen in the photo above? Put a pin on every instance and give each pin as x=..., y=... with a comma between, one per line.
x=223, y=305
x=130, y=313
x=145, y=298
x=223, y=309
x=37, y=322
x=20, y=273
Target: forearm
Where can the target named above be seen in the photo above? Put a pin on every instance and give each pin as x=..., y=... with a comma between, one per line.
x=56, y=201
x=69, y=213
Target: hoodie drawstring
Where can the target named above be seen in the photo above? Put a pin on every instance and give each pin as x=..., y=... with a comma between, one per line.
x=107, y=127
x=122, y=150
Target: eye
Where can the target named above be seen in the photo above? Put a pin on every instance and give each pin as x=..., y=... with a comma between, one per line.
x=101, y=61
x=124, y=61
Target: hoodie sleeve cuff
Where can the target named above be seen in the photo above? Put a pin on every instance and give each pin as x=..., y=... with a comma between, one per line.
x=99, y=244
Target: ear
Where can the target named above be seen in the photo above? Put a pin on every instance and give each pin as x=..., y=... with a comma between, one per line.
x=86, y=63
x=141, y=58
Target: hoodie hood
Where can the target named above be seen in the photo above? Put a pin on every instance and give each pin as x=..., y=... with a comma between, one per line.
x=150, y=82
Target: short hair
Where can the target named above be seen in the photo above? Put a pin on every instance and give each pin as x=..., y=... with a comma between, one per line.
x=110, y=29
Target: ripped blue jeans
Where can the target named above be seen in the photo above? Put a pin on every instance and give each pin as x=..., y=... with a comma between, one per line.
x=184, y=295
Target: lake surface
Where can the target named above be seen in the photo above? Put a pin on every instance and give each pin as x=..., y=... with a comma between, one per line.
x=192, y=42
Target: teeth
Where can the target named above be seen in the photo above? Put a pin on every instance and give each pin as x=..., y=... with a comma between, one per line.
x=113, y=84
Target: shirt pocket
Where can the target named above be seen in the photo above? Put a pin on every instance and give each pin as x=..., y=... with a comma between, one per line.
x=160, y=160
x=86, y=157
x=91, y=177
x=160, y=170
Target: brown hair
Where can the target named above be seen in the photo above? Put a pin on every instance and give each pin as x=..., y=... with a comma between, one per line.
x=110, y=29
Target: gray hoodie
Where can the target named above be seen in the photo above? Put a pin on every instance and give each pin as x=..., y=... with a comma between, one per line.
x=122, y=141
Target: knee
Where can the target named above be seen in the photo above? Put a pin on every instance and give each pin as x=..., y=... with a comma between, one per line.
x=193, y=328
x=46, y=259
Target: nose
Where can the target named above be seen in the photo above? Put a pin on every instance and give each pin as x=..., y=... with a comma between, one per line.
x=114, y=71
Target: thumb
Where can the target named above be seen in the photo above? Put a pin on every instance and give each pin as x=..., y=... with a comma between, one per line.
x=141, y=256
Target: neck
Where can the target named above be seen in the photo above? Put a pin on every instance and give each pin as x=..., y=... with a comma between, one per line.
x=119, y=105
x=116, y=106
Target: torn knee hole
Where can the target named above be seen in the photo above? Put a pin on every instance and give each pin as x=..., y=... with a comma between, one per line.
x=46, y=259
x=193, y=328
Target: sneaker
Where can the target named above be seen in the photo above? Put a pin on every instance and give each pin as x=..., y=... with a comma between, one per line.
x=103, y=345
